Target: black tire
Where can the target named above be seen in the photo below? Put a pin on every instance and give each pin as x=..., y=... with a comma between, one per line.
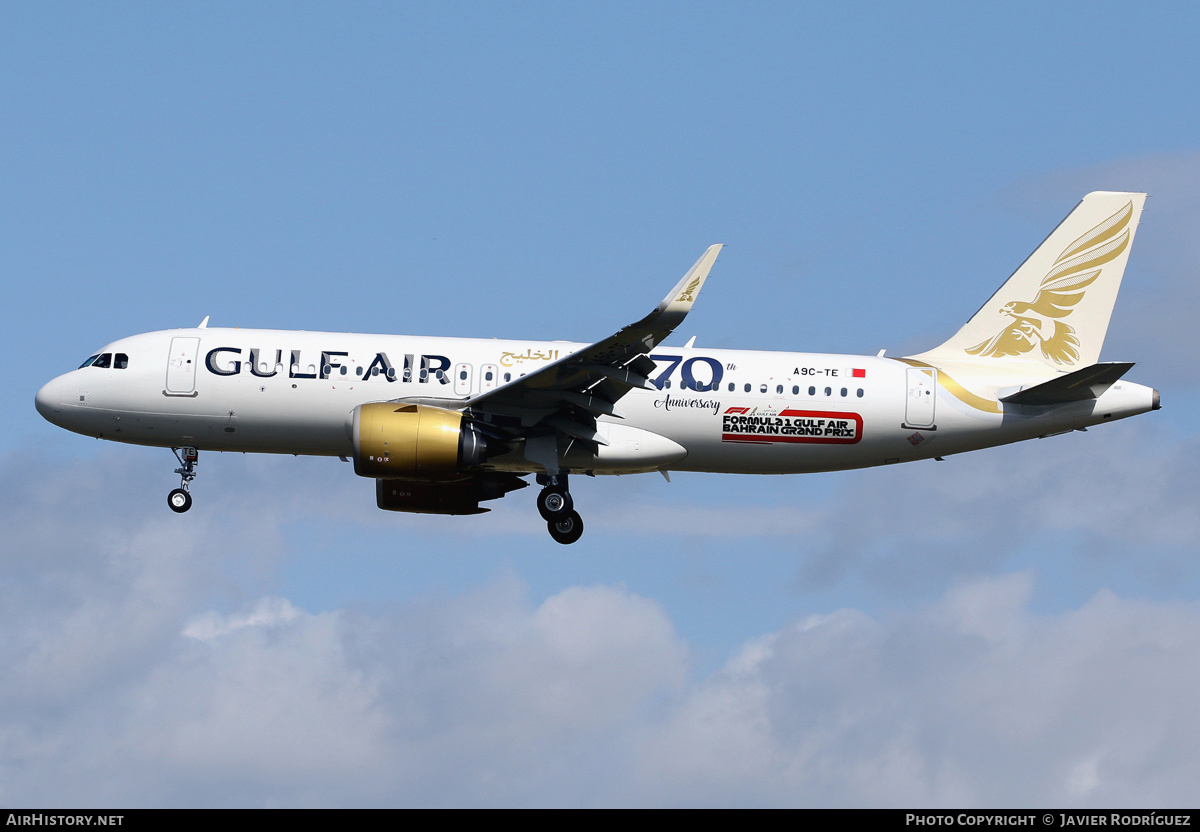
x=554, y=502
x=179, y=501
x=567, y=529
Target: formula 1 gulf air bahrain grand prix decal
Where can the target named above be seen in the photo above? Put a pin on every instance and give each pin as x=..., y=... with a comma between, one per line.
x=763, y=425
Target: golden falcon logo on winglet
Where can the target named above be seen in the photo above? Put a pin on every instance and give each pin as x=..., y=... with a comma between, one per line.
x=1035, y=323
x=686, y=294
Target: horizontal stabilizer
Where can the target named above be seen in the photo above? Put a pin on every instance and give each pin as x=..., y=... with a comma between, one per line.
x=1081, y=385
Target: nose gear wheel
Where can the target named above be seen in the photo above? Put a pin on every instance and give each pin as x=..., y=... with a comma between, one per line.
x=180, y=499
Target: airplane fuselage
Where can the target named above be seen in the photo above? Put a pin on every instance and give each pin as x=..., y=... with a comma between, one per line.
x=730, y=411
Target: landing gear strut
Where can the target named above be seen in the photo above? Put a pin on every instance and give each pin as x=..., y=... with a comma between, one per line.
x=557, y=508
x=180, y=500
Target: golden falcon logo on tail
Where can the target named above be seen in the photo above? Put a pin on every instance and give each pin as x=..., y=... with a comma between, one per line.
x=1035, y=323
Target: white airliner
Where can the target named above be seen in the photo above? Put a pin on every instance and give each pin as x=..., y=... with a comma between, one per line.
x=443, y=424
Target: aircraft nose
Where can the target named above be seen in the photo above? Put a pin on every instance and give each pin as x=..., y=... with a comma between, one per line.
x=49, y=399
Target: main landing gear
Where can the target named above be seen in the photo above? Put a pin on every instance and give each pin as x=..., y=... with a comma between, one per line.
x=555, y=505
x=180, y=500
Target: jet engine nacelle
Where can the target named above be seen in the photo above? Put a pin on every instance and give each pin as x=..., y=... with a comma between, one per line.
x=414, y=442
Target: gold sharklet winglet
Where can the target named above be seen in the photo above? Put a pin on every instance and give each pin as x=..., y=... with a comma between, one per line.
x=1109, y=228
x=957, y=390
x=684, y=294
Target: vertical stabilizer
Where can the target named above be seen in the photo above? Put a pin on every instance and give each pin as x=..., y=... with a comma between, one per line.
x=1053, y=312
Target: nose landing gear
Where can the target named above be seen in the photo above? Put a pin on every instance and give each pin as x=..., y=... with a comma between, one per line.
x=180, y=499
x=557, y=508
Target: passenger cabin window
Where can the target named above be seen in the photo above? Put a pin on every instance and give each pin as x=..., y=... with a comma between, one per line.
x=747, y=388
x=812, y=391
x=795, y=390
x=778, y=388
x=828, y=391
x=731, y=386
x=843, y=392
x=762, y=388
x=104, y=361
x=860, y=392
x=121, y=361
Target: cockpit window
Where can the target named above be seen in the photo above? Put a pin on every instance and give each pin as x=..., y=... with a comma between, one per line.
x=121, y=361
x=89, y=361
x=104, y=361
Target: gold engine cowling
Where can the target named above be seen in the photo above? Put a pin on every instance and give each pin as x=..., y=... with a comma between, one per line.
x=414, y=442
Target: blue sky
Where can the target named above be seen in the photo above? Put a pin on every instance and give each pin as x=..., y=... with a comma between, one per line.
x=549, y=171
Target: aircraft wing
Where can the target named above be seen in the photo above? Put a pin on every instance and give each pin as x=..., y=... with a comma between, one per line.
x=571, y=392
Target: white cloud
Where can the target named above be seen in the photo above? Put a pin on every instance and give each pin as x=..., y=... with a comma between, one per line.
x=972, y=701
x=583, y=699
x=126, y=688
x=266, y=612
x=478, y=700
x=1121, y=493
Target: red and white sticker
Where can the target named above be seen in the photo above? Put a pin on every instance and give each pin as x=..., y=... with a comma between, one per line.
x=791, y=426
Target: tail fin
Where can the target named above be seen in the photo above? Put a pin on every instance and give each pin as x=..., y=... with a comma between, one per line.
x=1053, y=312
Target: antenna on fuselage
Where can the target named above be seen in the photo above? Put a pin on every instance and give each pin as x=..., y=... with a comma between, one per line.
x=204, y=323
